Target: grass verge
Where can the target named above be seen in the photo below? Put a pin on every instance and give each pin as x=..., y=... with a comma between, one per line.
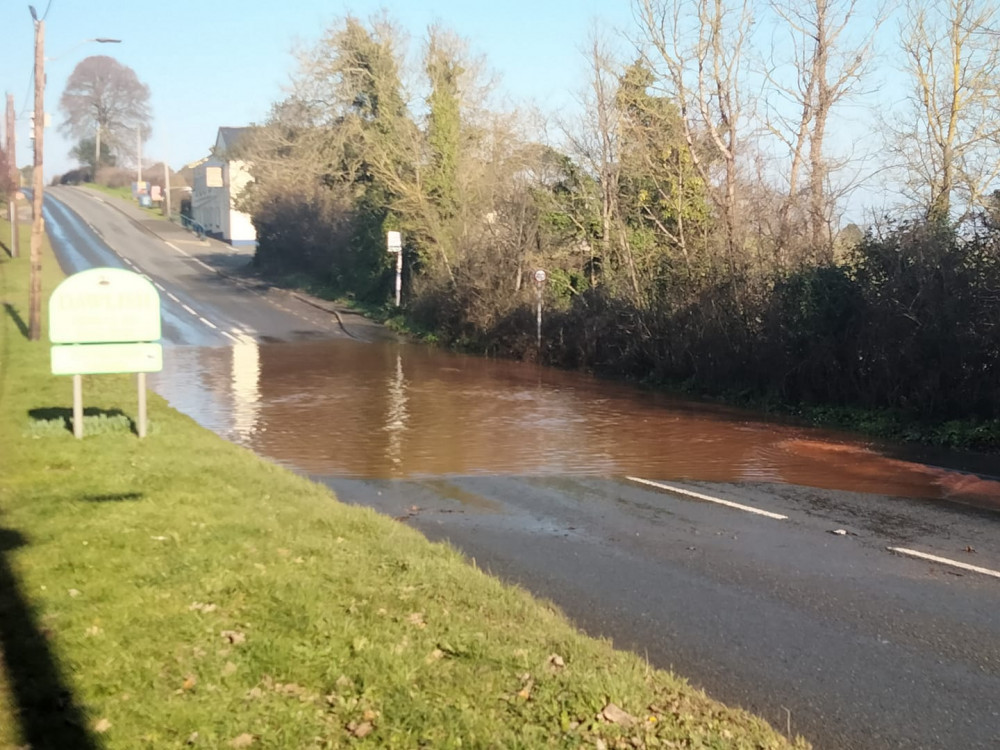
x=125, y=194
x=179, y=592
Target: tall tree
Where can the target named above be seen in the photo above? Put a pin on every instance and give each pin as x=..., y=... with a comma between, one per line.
x=947, y=140
x=697, y=48
x=827, y=70
x=105, y=100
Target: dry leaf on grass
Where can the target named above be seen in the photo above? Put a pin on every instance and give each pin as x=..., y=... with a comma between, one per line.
x=555, y=661
x=616, y=715
x=417, y=619
x=244, y=740
x=234, y=636
x=360, y=730
x=102, y=726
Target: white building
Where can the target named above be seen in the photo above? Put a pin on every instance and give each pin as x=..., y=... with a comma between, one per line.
x=218, y=182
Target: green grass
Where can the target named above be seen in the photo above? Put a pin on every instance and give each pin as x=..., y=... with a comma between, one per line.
x=125, y=194
x=177, y=591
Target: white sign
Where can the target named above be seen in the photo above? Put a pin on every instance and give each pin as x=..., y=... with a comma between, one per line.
x=540, y=276
x=104, y=306
x=394, y=242
x=105, y=359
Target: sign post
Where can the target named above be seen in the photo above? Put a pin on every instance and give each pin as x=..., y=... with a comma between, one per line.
x=394, y=243
x=540, y=277
x=102, y=321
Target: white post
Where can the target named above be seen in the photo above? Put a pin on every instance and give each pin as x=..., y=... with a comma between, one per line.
x=540, y=277
x=539, y=342
x=141, y=378
x=399, y=276
x=394, y=244
x=78, y=406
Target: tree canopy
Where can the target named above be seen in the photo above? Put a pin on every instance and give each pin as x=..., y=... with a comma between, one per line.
x=105, y=102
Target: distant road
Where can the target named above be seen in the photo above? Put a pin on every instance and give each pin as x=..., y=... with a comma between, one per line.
x=200, y=307
x=850, y=638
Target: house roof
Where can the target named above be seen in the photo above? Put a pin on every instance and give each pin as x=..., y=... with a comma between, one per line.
x=229, y=138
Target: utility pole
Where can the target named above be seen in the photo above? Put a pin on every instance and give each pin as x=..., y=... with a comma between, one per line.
x=138, y=156
x=166, y=184
x=97, y=152
x=37, y=226
x=15, y=183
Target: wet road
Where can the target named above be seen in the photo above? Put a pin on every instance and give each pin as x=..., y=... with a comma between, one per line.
x=716, y=558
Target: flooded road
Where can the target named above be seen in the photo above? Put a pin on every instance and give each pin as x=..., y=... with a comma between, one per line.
x=386, y=410
x=811, y=577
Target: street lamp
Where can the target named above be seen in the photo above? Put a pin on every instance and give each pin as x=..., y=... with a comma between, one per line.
x=38, y=180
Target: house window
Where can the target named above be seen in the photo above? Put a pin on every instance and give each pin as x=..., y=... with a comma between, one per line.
x=213, y=177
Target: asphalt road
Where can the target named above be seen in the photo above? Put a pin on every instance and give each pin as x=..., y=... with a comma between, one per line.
x=833, y=635
x=200, y=306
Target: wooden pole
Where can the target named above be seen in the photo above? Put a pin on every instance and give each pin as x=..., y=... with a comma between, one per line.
x=15, y=183
x=166, y=183
x=38, y=178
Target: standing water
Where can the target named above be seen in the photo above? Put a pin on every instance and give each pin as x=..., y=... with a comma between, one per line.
x=389, y=410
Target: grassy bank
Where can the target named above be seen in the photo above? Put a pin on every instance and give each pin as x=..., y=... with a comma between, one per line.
x=178, y=591
x=125, y=194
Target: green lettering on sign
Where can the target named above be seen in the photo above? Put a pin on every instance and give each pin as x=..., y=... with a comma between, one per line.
x=104, y=306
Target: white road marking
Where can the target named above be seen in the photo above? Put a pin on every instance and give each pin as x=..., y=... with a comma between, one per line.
x=944, y=561
x=230, y=336
x=189, y=309
x=209, y=323
x=709, y=498
x=173, y=296
x=188, y=255
x=159, y=286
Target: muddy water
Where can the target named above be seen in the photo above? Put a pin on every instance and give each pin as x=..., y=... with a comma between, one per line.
x=387, y=410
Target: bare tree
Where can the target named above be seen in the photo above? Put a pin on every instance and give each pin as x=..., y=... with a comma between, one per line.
x=827, y=71
x=697, y=47
x=106, y=101
x=596, y=142
x=947, y=140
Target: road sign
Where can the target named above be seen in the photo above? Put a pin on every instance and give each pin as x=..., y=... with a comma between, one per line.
x=105, y=359
x=102, y=321
x=104, y=306
x=540, y=276
x=394, y=242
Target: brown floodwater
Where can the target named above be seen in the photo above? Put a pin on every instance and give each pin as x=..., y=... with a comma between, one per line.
x=387, y=410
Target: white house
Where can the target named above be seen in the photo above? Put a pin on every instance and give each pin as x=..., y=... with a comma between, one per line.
x=218, y=181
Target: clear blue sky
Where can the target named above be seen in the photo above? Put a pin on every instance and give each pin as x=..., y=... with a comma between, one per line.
x=223, y=62
x=217, y=63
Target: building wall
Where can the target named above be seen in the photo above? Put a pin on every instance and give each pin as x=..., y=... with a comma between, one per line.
x=209, y=200
x=240, y=227
x=216, y=185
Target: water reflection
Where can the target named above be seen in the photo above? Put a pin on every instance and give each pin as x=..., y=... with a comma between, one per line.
x=246, y=387
x=351, y=409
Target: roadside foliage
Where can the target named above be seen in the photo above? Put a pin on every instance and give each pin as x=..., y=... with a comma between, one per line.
x=676, y=251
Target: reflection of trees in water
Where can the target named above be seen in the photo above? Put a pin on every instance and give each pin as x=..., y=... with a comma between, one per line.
x=344, y=408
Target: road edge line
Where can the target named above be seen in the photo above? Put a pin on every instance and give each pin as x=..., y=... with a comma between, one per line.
x=944, y=561
x=709, y=498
